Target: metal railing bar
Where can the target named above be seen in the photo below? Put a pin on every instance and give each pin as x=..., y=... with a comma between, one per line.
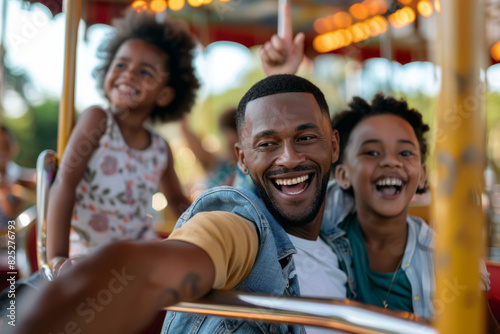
x=344, y=315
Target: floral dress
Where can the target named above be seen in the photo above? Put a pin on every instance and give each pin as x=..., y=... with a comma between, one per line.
x=115, y=193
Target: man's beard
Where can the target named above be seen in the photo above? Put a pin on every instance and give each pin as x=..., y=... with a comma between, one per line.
x=287, y=219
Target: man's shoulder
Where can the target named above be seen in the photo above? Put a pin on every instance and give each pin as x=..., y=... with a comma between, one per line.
x=241, y=202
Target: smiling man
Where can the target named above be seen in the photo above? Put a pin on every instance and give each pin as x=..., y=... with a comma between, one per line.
x=229, y=238
x=271, y=243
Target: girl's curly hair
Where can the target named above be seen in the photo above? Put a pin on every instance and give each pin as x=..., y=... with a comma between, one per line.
x=345, y=121
x=171, y=37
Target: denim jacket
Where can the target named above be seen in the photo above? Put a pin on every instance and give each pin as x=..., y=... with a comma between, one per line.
x=418, y=261
x=273, y=272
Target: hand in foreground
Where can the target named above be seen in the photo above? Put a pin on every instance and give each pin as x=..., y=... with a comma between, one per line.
x=60, y=264
x=119, y=288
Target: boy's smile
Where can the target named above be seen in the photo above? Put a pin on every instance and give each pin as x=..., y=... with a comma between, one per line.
x=389, y=186
x=382, y=161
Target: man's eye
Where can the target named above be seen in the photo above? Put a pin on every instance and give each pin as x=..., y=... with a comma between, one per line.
x=121, y=66
x=305, y=138
x=265, y=144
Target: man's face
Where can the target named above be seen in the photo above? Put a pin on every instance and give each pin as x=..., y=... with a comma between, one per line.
x=288, y=147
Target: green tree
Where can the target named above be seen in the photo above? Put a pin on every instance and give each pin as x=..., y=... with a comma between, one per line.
x=35, y=131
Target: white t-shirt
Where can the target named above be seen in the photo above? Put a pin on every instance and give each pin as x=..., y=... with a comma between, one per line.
x=319, y=273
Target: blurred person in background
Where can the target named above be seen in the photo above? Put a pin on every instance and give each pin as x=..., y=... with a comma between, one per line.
x=220, y=169
x=16, y=182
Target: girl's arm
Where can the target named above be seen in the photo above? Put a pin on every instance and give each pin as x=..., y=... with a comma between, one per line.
x=171, y=187
x=83, y=140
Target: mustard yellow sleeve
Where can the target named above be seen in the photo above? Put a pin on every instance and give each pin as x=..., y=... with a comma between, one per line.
x=229, y=240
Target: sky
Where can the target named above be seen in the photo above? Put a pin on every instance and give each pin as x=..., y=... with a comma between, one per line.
x=35, y=43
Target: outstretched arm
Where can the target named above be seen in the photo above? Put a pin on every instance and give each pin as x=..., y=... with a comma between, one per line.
x=121, y=288
x=283, y=54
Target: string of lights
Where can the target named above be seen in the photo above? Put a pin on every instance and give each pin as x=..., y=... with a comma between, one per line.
x=158, y=6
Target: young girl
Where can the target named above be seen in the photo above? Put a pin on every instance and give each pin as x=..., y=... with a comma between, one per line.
x=114, y=161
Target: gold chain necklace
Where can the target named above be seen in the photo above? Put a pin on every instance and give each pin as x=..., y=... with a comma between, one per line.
x=384, y=302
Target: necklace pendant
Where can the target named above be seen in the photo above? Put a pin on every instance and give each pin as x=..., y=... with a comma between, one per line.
x=385, y=304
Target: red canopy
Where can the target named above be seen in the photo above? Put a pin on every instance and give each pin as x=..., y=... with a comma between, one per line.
x=251, y=23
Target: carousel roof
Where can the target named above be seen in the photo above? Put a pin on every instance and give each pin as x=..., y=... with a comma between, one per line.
x=331, y=26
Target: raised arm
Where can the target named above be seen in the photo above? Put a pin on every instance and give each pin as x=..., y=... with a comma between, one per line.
x=283, y=54
x=84, y=138
x=120, y=288
x=171, y=187
x=207, y=159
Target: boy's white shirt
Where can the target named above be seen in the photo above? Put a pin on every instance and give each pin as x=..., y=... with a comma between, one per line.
x=318, y=273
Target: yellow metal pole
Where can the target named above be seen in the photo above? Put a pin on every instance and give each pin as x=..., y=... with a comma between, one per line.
x=460, y=162
x=67, y=106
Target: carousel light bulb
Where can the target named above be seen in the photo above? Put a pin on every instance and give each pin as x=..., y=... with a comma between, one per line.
x=176, y=5
x=342, y=19
x=139, y=6
x=495, y=51
x=195, y=3
x=424, y=8
x=158, y=6
x=359, y=11
x=437, y=5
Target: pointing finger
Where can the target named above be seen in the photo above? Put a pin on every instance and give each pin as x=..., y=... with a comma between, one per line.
x=285, y=31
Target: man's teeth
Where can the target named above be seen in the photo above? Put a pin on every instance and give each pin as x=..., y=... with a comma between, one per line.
x=390, y=182
x=291, y=182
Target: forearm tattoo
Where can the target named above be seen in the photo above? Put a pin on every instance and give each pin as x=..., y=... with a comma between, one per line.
x=188, y=289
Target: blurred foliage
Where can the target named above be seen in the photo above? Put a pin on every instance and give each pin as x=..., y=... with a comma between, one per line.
x=35, y=131
x=17, y=80
x=492, y=110
x=493, y=131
